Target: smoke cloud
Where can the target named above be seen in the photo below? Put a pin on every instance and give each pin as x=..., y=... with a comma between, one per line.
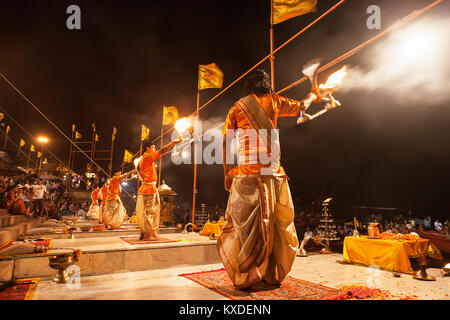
x=411, y=65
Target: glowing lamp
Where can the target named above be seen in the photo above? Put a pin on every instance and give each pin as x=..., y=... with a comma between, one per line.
x=42, y=140
x=182, y=125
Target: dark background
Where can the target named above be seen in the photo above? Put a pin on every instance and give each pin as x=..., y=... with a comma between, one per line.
x=132, y=57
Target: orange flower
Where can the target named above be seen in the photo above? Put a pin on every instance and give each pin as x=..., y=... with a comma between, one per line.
x=77, y=254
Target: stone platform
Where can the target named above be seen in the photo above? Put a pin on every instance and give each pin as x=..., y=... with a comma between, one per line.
x=105, y=255
x=129, y=230
x=166, y=284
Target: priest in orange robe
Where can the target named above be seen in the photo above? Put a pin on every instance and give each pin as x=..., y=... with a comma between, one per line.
x=259, y=240
x=148, y=202
x=114, y=211
x=94, y=208
x=102, y=195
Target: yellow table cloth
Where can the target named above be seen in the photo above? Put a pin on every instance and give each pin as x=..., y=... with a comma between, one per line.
x=385, y=254
x=212, y=227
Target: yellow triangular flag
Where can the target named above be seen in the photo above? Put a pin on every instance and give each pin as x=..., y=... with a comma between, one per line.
x=209, y=76
x=8, y=129
x=96, y=138
x=1, y=116
x=283, y=10
x=73, y=128
x=45, y=160
x=170, y=115
x=77, y=135
x=128, y=156
x=145, y=133
x=32, y=149
x=39, y=154
x=22, y=143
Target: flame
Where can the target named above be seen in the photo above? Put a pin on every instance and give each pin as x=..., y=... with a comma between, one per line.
x=136, y=161
x=334, y=79
x=447, y=266
x=182, y=125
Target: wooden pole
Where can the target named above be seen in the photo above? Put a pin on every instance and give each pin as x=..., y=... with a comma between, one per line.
x=140, y=155
x=194, y=190
x=28, y=161
x=92, y=148
x=40, y=160
x=70, y=153
x=6, y=138
x=112, y=150
x=272, y=59
x=162, y=132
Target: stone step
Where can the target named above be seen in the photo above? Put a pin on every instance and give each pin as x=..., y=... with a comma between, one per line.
x=6, y=236
x=10, y=220
x=117, y=260
x=19, y=229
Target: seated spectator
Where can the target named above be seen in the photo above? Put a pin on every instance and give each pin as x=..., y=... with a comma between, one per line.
x=438, y=226
x=308, y=233
x=15, y=204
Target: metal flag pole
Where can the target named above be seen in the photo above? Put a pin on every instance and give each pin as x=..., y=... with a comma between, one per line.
x=94, y=131
x=194, y=189
x=40, y=160
x=272, y=59
x=112, y=150
x=162, y=133
x=140, y=155
x=18, y=151
x=29, y=156
x=71, y=143
x=6, y=137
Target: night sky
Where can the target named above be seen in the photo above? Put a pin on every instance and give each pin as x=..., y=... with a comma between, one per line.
x=132, y=57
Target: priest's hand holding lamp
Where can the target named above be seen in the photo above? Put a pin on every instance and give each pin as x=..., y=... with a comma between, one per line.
x=321, y=92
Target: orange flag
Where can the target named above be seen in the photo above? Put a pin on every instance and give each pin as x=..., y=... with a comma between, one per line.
x=283, y=10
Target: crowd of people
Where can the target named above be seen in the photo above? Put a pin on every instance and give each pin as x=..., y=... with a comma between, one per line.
x=34, y=197
x=396, y=223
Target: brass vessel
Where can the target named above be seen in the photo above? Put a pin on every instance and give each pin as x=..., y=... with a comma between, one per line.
x=61, y=263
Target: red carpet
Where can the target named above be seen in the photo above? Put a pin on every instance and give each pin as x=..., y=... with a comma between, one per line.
x=22, y=290
x=135, y=240
x=290, y=289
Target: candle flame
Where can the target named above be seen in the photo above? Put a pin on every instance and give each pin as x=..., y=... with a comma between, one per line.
x=182, y=125
x=334, y=79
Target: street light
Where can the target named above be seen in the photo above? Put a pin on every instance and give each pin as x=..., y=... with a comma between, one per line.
x=42, y=141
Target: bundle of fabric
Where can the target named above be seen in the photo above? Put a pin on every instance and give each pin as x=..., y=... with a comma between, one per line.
x=35, y=231
x=24, y=248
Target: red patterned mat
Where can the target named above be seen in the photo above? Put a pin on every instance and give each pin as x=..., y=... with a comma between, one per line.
x=21, y=290
x=290, y=289
x=135, y=240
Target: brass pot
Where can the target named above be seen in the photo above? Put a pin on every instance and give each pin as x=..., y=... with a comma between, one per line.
x=60, y=263
x=373, y=230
